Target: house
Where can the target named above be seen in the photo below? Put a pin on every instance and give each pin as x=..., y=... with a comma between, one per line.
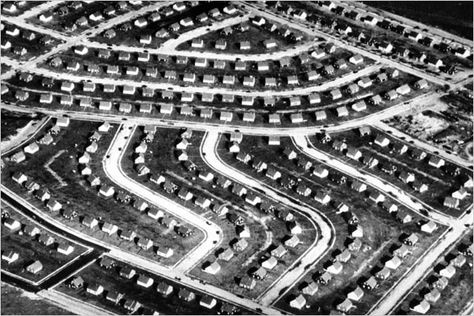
x=292, y=242
x=359, y=106
x=383, y=274
x=35, y=267
x=377, y=197
x=296, y=118
x=53, y=205
x=403, y=90
x=322, y=197
x=164, y=289
x=65, y=248
x=292, y=80
x=460, y=194
x=226, y=116
x=202, y=202
x=356, y=294
x=402, y=251
x=168, y=222
x=335, y=268
x=433, y=296
x=31, y=230
x=421, y=307
x=273, y=173
x=186, y=295
x=324, y=278
x=448, y=272
x=370, y=283
x=385, y=47
x=144, y=281
x=353, y=153
x=346, y=305
x=249, y=81
x=132, y=306
x=458, y=261
x=247, y=282
x=436, y=161
x=12, y=224
x=22, y=95
x=358, y=186
x=429, y=227
x=109, y=228
x=212, y=268
x=411, y=240
x=393, y=263
x=244, y=45
x=89, y=222
x=274, y=118
x=240, y=245
x=298, y=302
x=441, y=283
x=451, y=202
x=249, y=117
x=342, y=111
x=221, y=44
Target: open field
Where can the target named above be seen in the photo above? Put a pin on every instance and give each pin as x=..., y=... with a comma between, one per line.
x=458, y=21
x=439, y=184
x=12, y=122
x=382, y=232
x=448, y=125
x=455, y=296
x=30, y=249
x=149, y=298
x=15, y=301
x=85, y=200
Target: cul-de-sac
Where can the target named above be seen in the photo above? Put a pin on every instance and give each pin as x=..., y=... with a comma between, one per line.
x=236, y=157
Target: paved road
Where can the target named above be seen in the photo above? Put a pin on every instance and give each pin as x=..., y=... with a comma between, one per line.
x=246, y=128
x=112, y=166
x=312, y=255
x=21, y=139
x=420, y=144
x=78, y=307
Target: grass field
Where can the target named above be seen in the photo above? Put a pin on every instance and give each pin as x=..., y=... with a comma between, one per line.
x=455, y=296
x=30, y=250
x=79, y=196
x=440, y=185
x=149, y=298
x=381, y=231
x=15, y=301
x=12, y=122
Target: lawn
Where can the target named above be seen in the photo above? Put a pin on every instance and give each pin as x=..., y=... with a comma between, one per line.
x=34, y=47
x=161, y=159
x=15, y=301
x=30, y=250
x=439, y=182
x=381, y=230
x=78, y=195
x=12, y=122
x=149, y=298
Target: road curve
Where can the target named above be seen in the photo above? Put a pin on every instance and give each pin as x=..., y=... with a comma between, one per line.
x=112, y=167
x=312, y=255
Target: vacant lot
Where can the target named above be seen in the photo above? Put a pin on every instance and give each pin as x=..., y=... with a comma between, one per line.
x=15, y=301
x=12, y=122
x=149, y=298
